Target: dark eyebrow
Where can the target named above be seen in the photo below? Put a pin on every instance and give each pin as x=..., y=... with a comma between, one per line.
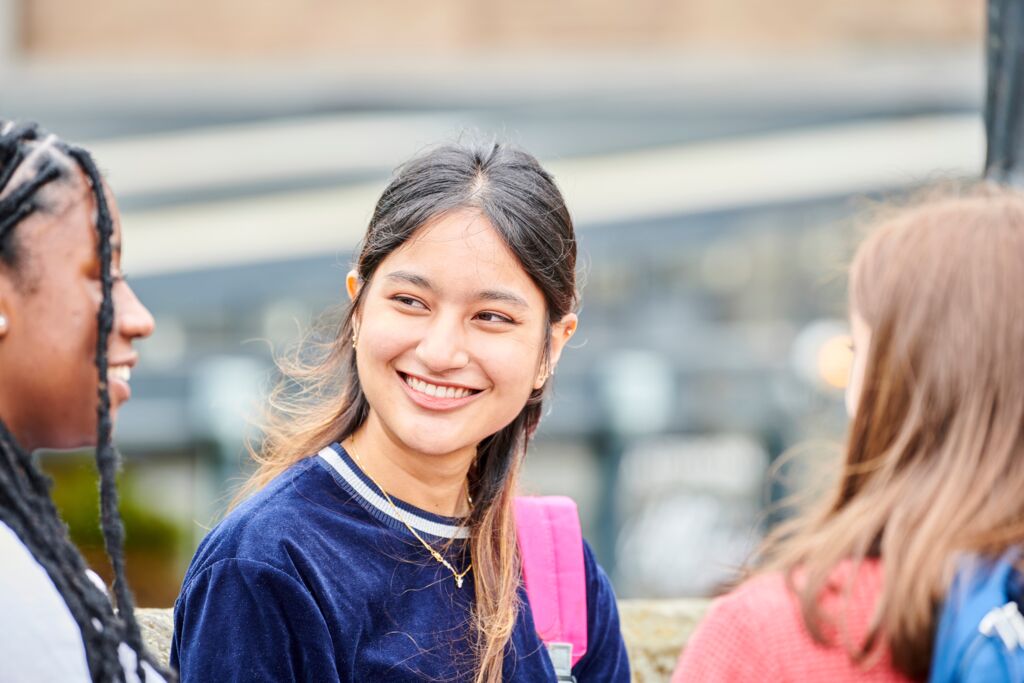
x=411, y=278
x=503, y=296
x=500, y=295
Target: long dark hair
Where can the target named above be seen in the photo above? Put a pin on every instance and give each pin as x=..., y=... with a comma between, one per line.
x=25, y=502
x=320, y=401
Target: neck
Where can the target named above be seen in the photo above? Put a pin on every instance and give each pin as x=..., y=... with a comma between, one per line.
x=22, y=440
x=431, y=482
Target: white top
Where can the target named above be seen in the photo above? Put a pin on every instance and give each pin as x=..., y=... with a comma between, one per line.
x=39, y=638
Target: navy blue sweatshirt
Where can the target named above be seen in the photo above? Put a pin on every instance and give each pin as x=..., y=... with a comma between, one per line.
x=316, y=579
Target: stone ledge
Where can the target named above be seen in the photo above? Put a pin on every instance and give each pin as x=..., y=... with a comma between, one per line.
x=655, y=632
x=157, y=626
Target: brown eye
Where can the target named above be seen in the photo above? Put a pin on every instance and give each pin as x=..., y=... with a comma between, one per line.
x=409, y=301
x=492, y=317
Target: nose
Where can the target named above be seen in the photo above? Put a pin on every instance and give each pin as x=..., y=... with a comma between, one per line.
x=443, y=346
x=134, y=321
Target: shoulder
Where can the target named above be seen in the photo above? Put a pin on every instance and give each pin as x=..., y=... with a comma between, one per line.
x=759, y=627
x=235, y=611
x=606, y=658
x=269, y=561
x=601, y=601
x=744, y=613
x=46, y=644
x=734, y=641
x=757, y=595
x=599, y=586
x=266, y=531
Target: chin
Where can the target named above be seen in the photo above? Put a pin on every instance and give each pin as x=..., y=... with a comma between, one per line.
x=437, y=447
x=432, y=438
x=81, y=439
x=430, y=442
x=67, y=442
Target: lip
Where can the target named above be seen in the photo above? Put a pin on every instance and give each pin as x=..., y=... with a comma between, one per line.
x=434, y=402
x=130, y=361
x=120, y=391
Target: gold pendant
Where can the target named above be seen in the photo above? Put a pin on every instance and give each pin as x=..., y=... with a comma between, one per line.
x=458, y=582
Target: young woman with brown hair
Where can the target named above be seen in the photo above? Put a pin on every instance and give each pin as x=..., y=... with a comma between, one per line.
x=379, y=542
x=934, y=466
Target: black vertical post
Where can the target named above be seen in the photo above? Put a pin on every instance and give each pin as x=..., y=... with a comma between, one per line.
x=609, y=446
x=1004, y=51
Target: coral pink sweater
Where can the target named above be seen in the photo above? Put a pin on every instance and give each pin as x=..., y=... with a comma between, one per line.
x=756, y=633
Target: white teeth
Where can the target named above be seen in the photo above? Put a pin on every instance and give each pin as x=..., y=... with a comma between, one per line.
x=121, y=372
x=435, y=390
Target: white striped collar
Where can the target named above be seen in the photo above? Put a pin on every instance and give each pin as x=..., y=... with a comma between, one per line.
x=422, y=521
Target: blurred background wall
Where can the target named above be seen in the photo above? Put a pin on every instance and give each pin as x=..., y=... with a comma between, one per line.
x=715, y=155
x=269, y=28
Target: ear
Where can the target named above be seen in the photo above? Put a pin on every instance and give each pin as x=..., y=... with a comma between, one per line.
x=6, y=307
x=352, y=284
x=561, y=332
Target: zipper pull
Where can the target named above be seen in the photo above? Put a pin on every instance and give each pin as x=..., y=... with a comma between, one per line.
x=1006, y=622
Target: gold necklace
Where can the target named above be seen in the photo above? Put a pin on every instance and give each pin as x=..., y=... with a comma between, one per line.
x=459, y=576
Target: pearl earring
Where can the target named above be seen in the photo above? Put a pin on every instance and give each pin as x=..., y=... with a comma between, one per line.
x=3, y=324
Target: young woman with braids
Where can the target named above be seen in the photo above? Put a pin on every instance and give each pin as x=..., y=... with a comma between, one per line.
x=67, y=323
x=853, y=589
x=380, y=544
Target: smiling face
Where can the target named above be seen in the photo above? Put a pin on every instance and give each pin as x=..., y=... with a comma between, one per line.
x=50, y=298
x=451, y=337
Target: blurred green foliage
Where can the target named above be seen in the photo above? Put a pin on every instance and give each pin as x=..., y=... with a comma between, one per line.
x=76, y=494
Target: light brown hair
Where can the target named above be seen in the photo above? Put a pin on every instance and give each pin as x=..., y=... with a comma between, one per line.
x=934, y=464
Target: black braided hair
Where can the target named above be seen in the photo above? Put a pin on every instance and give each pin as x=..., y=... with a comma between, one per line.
x=25, y=502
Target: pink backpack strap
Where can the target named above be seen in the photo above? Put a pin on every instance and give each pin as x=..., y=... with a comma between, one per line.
x=551, y=548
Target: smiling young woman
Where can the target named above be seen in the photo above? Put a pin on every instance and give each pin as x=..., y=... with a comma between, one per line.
x=379, y=541
x=67, y=323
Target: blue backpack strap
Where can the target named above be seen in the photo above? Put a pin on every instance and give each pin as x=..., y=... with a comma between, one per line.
x=981, y=630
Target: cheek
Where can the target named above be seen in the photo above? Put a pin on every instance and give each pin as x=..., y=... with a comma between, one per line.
x=63, y=323
x=512, y=366
x=386, y=337
x=381, y=344
x=60, y=338
x=68, y=351
x=855, y=384
x=72, y=341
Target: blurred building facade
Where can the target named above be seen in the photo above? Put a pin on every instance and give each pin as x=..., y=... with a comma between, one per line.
x=713, y=196
x=59, y=29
